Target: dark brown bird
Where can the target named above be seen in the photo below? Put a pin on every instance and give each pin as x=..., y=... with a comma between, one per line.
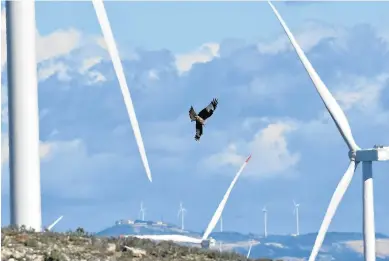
x=201, y=117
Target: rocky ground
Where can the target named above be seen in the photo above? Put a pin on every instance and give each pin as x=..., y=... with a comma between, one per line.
x=80, y=246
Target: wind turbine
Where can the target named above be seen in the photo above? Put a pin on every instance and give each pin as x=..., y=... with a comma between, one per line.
x=23, y=111
x=142, y=211
x=182, y=211
x=264, y=210
x=205, y=241
x=219, y=210
x=296, y=212
x=356, y=155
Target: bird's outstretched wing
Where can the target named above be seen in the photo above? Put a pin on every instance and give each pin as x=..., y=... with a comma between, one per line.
x=208, y=111
x=199, y=131
x=192, y=114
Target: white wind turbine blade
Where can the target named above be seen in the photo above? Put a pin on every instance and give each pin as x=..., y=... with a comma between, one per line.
x=54, y=223
x=334, y=203
x=219, y=210
x=332, y=106
x=114, y=53
x=248, y=253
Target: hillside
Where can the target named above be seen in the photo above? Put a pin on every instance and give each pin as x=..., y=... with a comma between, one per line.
x=77, y=246
x=337, y=246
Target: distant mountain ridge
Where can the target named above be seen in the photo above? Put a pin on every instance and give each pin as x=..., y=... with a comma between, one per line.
x=342, y=246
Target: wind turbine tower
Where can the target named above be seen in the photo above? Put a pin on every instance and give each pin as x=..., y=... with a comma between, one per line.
x=142, y=211
x=182, y=211
x=264, y=210
x=23, y=111
x=221, y=223
x=296, y=212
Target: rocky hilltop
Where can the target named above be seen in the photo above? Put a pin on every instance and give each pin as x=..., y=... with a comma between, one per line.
x=20, y=244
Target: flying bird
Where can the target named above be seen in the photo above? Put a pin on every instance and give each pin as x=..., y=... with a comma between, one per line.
x=201, y=117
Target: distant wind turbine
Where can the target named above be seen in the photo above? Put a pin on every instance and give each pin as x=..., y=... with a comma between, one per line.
x=264, y=210
x=356, y=155
x=181, y=212
x=221, y=223
x=221, y=230
x=296, y=212
x=142, y=211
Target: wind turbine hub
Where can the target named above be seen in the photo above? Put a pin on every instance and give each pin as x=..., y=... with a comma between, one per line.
x=352, y=154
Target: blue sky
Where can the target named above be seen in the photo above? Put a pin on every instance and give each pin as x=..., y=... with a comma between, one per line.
x=180, y=54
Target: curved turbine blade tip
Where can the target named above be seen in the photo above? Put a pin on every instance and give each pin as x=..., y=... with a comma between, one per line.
x=247, y=160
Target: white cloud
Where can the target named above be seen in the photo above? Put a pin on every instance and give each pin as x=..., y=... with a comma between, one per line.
x=59, y=43
x=269, y=149
x=45, y=149
x=51, y=68
x=229, y=156
x=153, y=75
x=95, y=77
x=360, y=92
x=56, y=44
x=74, y=170
x=68, y=169
x=308, y=37
x=272, y=86
x=89, y=63
x=384, y=34
x=203, y=54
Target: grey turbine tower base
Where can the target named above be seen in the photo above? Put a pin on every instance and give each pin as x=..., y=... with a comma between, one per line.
x=356, y=155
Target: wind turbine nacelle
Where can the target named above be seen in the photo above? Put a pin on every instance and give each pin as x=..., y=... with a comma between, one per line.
x=206, y=243
x=379, y=153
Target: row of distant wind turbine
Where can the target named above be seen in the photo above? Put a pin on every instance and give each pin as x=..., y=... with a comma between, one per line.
x=182, y=211
x=295, y=212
